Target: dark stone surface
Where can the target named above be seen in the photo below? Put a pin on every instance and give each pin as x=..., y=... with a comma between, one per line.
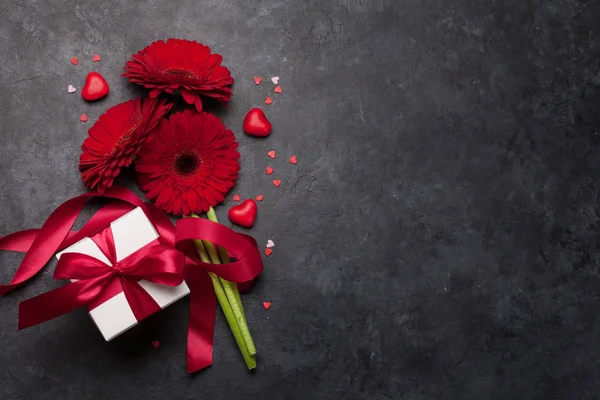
x=438, y=238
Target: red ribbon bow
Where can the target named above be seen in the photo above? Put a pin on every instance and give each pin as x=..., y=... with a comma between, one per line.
x=166, y=261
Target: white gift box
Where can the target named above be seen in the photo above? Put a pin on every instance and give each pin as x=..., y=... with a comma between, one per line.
x=131, y=232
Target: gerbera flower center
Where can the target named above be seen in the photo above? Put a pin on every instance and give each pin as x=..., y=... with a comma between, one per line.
x=180, y=72
x=186, y=163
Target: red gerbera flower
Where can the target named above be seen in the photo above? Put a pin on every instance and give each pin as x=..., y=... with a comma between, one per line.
x=115, y=138
x=184, y=65
x=189, y=163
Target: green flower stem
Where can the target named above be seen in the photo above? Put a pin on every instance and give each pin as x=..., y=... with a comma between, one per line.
x=225, y=305
x=226, y=260
x=231, y=290
x=235, y=306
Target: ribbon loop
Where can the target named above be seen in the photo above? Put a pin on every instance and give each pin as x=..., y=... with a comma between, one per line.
x=242, y=247
x=79, y=266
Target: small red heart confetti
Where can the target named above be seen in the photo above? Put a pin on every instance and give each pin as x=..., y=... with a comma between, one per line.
x=257, y=80
x=236, y=197
x=268, y=100
x=271, y=154
x=96, y=58
x=155, y=344
x=244, y=214
x=275, y=80
x=83, y=118
x=260, y=197
x=293, y=159
x=277, y=89
x=269, y=170
x=276, y=182
x=74, y=60
x=268, y=252
x=266, y=305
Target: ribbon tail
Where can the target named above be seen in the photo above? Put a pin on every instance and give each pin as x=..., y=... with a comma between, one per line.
x=201, y=328
x=59, y=301
x=19, y=241
x=141, y=303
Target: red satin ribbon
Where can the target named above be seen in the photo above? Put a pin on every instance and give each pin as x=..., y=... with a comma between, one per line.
x=156, y=262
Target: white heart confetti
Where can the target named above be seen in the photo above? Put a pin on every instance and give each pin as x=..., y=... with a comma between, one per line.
x=270, y=243
x=71, y=89
x=275, y=80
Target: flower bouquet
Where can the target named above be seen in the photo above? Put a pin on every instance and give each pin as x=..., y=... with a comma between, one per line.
x=129, y=253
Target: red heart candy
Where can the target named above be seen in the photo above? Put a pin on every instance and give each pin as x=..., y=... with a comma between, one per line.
x=257, y=124
x=268, y=252
x=74, y=60
x=268, y=100
x=293, y=159
x=83, y=118
x=271, y=153
x=269, y=170
x=95, y=87
x=244, y=214
x=257, y=80
x=276, y=182
x=96, y=58
x=266, y=305
x=277, y=89
x=260, y=197
x=236, y=197
x=155, y=344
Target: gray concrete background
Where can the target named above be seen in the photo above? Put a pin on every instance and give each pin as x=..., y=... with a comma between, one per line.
x=438, y=238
